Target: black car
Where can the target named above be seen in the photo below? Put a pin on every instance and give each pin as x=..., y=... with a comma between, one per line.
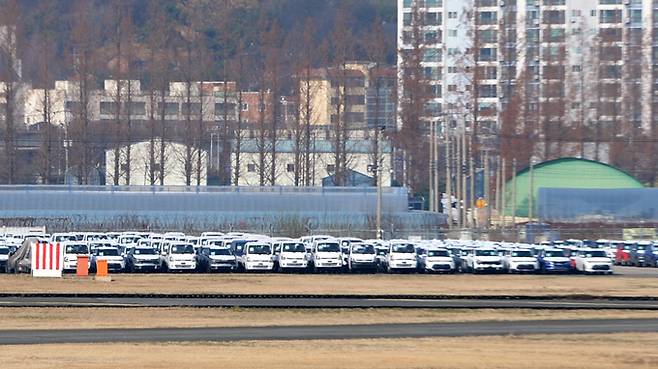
x=142, y=258
x=215, y=258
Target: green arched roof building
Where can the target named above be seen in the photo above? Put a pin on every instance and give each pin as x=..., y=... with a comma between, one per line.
x=564, y=173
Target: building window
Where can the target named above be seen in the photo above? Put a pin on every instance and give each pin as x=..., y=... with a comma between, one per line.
x=452, y=15
x=452, y=33
x=245, y=107
x=610, y=16
x=251, y=168
x=432, y=55
x=290, y=168
x=406, y=19
x=576, y=68
x=137, y=108
x=108, y=108
x=432, y=19
x=169, y=108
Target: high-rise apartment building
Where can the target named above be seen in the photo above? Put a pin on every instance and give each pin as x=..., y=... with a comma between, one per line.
x=552, y=77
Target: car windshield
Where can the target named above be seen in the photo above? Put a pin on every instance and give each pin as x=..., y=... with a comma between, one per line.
x=434, y=253
x=77, y=249
x=486, y=252
x=522, y=254
x=259, y=249
x=216, y=252
x=129, y=240
x=595, y=254
x=182, y=249
x=293, y=247
x=641, y=247
x=107, y=252
x=363, y=249
x=144, y=251
x=404, y=248
x=554, y=254
x=4, y=251
x=328, y=247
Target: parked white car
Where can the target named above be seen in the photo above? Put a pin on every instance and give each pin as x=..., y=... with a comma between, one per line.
x=257, y=256
x=519, y=261
x=593, y=261
x=292, y=255
x=179, y=256
x=115, y=262
x=484, y=259
x=71, y=252
x=401, y=256
x=436, y=260
x=326, y=254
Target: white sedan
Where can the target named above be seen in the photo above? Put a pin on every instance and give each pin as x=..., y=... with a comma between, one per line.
x=593, y=261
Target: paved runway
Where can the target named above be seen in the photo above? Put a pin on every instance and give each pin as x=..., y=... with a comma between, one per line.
x=330, y=302
x=330, y=332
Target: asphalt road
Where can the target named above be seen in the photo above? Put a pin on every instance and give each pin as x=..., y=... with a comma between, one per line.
x=592, y=326
x=329, y=302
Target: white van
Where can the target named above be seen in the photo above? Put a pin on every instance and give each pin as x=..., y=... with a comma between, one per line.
x=257, y=256
x=179, y=256
x=401, y=256
x=292, y=255
x=326, y=254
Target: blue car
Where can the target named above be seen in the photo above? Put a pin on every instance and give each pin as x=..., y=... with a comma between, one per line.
x=554, y=261
x=651, y=255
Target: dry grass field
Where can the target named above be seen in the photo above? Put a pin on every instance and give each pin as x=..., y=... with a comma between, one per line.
x=341, y=284
x=89, y=318
x=614, y=351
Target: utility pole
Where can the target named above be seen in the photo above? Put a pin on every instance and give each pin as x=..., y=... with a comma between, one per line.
x=458, y=179
x=435, y=168
x=514, y=192
x=531, y=194
x=486, y=189
x=431, y=169
x=471, y=198
x=448, y=178
x=503, y=187
x=378, y=164
x=463, y=171
x=497, y=189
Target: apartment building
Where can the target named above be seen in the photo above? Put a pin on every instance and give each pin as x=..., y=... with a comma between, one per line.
x=206, y=98
x=573, y=76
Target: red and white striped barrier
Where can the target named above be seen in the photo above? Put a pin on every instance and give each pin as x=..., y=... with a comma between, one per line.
x=47, y=259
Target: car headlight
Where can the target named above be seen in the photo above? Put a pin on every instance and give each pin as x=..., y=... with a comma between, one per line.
x=66, y=258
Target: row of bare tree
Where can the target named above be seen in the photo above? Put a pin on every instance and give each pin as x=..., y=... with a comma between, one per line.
x=279, y=63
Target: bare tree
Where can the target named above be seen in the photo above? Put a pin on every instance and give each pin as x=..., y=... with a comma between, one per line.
x=341, y=81
x=237, y=69
x=47, y=156
x=411, y=102
x=9, y=84
x=271, y=48
x=376, y=49
x=83, y=44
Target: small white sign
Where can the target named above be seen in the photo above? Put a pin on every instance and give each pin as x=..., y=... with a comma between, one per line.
x=47, y=260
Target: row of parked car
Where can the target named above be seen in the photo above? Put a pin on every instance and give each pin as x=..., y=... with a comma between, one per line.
x=216, y=251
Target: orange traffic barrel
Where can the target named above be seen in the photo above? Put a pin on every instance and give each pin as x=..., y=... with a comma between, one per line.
x=101, y=268
x=83, y=266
